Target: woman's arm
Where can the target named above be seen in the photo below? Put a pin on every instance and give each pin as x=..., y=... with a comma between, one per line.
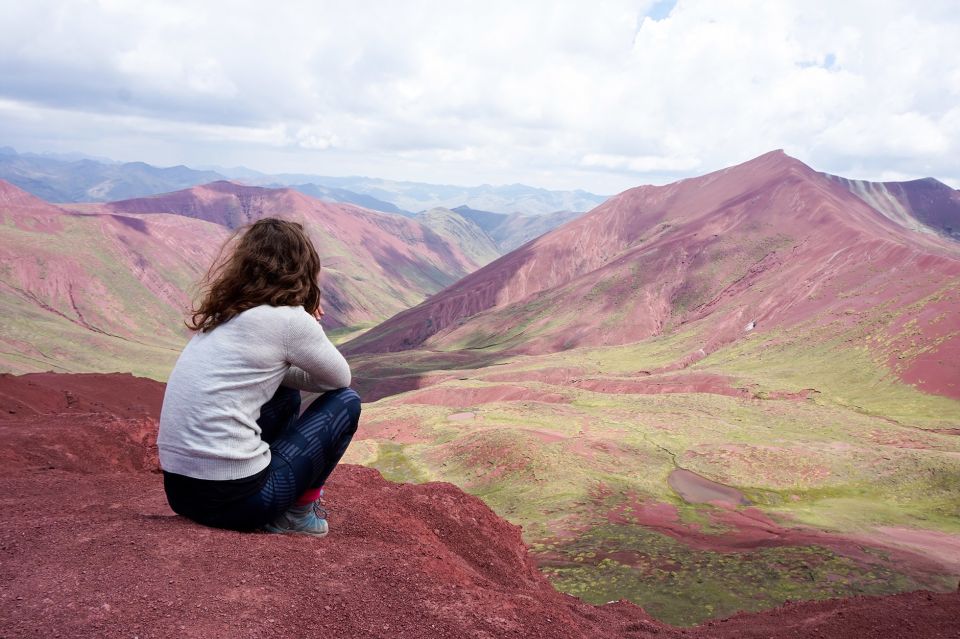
x=316, y=364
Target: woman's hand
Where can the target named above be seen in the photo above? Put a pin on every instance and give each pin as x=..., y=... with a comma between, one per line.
x=318, y=313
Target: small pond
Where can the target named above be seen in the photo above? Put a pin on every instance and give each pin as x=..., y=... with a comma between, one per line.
x=699, y=490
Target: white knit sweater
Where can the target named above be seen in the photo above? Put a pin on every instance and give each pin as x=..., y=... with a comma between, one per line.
x=208, y=422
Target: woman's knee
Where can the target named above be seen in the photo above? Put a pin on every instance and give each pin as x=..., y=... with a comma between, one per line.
x=350, y=399
x=335, y=401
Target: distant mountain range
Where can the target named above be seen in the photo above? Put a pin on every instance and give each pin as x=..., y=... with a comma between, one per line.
x=509, y=231
x=417, y=196
x=86, y=180
x=73, y=178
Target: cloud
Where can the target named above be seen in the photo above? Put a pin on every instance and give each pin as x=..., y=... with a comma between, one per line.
x=640, y=164
x=561, y=94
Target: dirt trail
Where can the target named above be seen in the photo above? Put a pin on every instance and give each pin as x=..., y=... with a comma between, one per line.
x=89, y=548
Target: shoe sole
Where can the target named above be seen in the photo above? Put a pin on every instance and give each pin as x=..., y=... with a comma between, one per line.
x=286, y=531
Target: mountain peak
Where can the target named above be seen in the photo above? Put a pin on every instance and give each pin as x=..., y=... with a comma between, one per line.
x=777, y=158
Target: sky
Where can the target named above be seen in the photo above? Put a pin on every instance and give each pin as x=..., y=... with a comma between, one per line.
x=601, y=96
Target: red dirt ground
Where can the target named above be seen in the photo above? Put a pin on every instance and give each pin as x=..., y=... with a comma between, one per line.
x=89, y=548
x=397, y=430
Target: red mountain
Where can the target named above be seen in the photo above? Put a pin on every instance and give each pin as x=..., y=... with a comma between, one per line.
x=376, y=263
x=767, y=244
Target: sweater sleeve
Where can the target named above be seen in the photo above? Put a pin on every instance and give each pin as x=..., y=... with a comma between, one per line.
x=315, y=363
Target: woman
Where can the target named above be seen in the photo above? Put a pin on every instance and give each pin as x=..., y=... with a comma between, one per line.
x=234, y=448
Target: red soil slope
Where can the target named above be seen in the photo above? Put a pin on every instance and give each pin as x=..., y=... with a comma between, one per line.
x=770, y=242
x=89, y=548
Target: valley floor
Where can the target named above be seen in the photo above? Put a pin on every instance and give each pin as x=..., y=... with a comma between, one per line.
x=762, y=474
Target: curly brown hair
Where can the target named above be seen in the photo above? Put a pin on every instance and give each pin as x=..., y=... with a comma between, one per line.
x=274, y=262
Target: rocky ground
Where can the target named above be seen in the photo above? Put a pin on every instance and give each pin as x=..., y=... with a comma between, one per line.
x=89, y=548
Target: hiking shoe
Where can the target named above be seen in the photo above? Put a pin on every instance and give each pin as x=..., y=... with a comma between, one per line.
x=308, y=519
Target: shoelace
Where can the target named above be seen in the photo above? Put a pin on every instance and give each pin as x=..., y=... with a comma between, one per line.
x=319, y=510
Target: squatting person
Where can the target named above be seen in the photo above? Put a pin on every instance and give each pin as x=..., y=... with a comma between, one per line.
x=236, y=451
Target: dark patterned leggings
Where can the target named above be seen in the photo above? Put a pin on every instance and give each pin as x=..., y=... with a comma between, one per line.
x=304, y=451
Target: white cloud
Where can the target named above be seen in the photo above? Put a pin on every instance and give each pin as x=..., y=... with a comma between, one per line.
x=560, y=94
x=639, y=164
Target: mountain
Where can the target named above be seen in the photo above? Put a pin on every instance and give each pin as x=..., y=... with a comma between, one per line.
x=715, y=396
x=61, y=178
x=488, y=221
x=331, y=194
x=375, y=264
x=23, y=210
x=66, y=157
x=510, y=231
x=106, y=286
x=920, y=205
x=519, y=228
x=474, y=242
x=58, y=180
x=768, y=244
x=112, y=560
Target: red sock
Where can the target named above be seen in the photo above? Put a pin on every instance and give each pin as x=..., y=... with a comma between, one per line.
x=312, y=495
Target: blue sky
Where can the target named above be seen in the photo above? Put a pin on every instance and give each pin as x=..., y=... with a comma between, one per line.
x=661, y=9
x=601, y=96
